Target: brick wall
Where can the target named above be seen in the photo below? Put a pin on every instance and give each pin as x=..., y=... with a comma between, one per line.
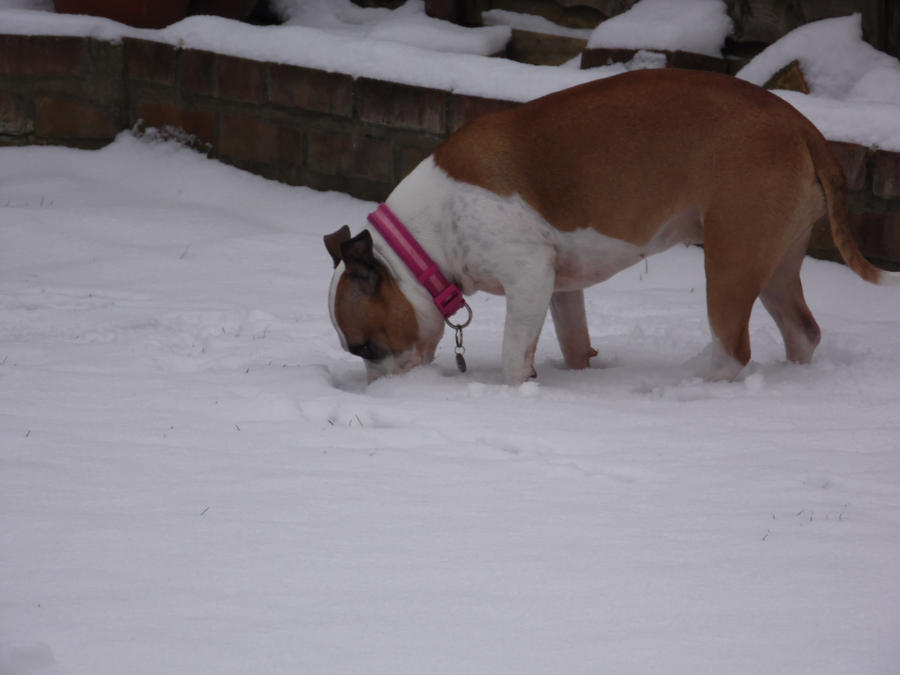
x=873, y=184
x=301, y=126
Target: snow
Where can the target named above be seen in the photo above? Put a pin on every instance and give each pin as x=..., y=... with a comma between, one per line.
x=531, y=22
x=363, y=43
x=836, y=62
x=854, y=88
x=195, y=477
x=698, y=26
x=368, y=50
x=408, y=24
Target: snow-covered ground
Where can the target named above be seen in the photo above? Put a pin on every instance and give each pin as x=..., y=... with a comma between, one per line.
x=195, y=478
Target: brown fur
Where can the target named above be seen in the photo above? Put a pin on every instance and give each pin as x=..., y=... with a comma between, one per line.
x=384, y=319
x=373, y=313
x=712, y=158
x=624, y=155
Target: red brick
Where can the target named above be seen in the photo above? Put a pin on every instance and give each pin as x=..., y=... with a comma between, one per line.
x=151, y=61
x=448, y=10
x=350, y=155
x=891, y=243
x=42, y=55
x=250, y=139
x=694, y=61
x=409, y=158
x=877, y=233
x=197, y=71
x=401, y=105
x=462, y=109
x=137, y=14
x=591, y=58
x=312, y=90
x=198, y=123
x=14, y=120
x=886, y=175
x=71, y=118
x=852, y=158
x=219, y=75
x=239, y=79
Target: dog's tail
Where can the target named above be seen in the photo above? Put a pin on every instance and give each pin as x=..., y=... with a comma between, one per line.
x=831, y=178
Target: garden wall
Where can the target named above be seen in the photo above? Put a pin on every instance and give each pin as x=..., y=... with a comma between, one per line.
x=300, y=126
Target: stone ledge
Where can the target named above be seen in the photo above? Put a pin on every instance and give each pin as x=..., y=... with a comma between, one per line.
x=248, y=138
x=886, y=175
x=43, y=55
x=201, y=124
x=312, y=90
x=591, y=58
x=463, y=108
x=69, y=118
x=400, y=105
x=301, y=125
x=14, y=118
x=150, y=61
x=853, y=159
x=351, y=154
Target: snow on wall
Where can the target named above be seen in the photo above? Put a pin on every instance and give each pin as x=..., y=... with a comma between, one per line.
x=836, y=62
x=832, y=50
x=855, y=89
x=699, y=26
x=533, y=23
x=408, y=24
x=329, y=50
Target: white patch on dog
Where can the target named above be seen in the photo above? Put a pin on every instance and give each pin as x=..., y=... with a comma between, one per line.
x=332, y=294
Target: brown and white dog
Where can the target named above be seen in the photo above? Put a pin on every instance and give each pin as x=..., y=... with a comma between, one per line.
x=542, y=200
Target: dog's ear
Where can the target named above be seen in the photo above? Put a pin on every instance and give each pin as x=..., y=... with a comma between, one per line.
x=333, y=243
x=360, y=260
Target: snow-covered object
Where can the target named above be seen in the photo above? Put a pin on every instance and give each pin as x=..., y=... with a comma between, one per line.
x=836, y=62
x=856, y=119
x=329, y=50
x=531, y=22
x=854, y=88
x=408, y=24
x=195, y=478
x=698, y=26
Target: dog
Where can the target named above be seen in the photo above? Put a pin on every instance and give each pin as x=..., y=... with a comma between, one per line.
x=542, y=200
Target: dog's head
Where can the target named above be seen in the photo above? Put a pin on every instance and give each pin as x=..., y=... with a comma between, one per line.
x=378, y=317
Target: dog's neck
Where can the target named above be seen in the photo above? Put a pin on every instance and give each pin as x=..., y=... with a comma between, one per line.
x=447, y=296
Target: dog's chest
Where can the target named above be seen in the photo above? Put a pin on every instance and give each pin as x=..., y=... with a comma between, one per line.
x=586, y=257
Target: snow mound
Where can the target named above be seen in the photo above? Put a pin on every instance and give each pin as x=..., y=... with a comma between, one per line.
x=698, y=26
x=836, y=61
x=358, y=54
x=408, y=24
x=531, y=22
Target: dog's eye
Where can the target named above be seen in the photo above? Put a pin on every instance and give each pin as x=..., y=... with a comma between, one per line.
x=365, y=351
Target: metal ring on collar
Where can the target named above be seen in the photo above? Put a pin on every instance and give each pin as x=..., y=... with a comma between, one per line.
x=460, y=326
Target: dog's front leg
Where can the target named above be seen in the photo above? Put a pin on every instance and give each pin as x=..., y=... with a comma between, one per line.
x=527, y=299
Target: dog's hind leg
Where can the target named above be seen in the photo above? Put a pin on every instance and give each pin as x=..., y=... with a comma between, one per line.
x=739, y=259
x=567, y=310
x=783, y=298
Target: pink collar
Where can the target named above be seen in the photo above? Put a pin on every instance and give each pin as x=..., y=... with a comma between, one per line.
x=447, y=296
